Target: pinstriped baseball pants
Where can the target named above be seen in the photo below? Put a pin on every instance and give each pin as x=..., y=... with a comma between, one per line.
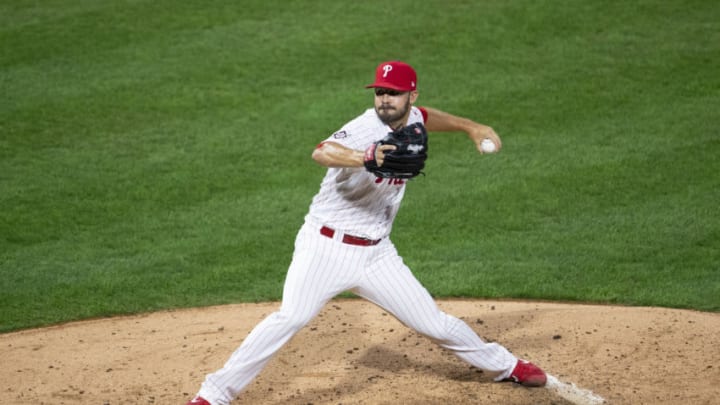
x=322, y=268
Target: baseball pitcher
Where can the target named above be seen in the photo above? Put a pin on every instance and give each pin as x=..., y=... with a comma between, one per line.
x=344, y=243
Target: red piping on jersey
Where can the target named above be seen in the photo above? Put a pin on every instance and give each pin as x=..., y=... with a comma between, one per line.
x=424, y=113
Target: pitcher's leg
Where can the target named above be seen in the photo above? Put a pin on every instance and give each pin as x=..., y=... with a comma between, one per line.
x=222, y=386
x=312, y=280
x=391, y=285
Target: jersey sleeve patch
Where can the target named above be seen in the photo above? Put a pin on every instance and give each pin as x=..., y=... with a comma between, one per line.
x=340, y=135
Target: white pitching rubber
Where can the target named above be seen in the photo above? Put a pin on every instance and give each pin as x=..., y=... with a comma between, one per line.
x=573, y=393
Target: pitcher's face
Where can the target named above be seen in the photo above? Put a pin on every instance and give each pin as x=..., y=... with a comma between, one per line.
x=393, y=106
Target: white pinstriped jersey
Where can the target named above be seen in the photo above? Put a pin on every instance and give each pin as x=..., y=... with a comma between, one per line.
x=353, y=200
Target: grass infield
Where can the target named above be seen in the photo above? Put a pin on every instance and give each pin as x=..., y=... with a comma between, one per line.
x=156, y=154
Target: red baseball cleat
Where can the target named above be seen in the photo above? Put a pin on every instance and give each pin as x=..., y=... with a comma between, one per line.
x=527, y=374
x=198, y=401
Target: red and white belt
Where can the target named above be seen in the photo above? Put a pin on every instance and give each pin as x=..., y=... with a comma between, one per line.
x=349, y=239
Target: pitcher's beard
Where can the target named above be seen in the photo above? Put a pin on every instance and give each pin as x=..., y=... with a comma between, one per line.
x=390, y=116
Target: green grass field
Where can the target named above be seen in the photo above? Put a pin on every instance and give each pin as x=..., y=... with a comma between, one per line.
x=156, y=154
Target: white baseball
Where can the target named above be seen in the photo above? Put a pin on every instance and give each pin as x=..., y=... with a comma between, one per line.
x=487, y=146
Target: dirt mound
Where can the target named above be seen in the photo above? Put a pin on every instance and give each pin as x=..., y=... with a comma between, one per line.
x=354, y=353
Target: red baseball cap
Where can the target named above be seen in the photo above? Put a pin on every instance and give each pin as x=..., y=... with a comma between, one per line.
x=395, y=75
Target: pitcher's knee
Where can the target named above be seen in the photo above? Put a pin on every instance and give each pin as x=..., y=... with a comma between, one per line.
x=441, y=329
x=292, y=320
x=435, y=332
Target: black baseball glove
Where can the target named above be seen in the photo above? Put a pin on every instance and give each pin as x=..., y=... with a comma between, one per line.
x=405, y=162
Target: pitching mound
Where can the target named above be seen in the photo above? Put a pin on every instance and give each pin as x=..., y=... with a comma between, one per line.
x=354, y=353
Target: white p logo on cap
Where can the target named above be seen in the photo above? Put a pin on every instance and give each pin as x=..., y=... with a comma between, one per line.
x=403, y=77
x=386, y=69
